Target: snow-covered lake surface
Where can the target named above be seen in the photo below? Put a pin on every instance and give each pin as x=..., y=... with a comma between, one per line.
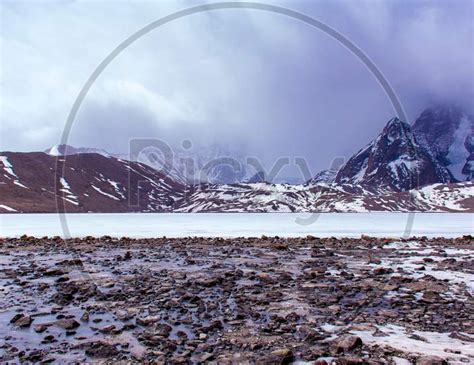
x=239, y=224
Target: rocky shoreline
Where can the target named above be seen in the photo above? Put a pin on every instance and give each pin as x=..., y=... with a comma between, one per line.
x=242, y=300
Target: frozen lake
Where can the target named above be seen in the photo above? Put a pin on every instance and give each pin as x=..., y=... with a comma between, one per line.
x=239, y=224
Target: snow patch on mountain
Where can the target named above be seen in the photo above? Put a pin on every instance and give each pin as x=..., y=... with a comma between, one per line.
x=104, y=193
x=116, y=187
x=7, y=208
x=7, y=166
x=442, y=196
x=66, y=188
x=457, y=153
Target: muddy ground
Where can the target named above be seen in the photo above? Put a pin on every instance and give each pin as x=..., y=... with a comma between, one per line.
x=262, y=300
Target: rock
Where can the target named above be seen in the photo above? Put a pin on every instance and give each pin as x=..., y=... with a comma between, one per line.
x=67, y=324
x=460, y=336
x=382, y=271
x=107, y=329
x=431, y=360
x=41, y=327
x=202, y=358
x=85, y=316
x=181, y=334
x=101, y=350
x=62, y=279
x=320, y=362
x=21, y=320
x=146, y=321
x=280, y=356
x=280, y=246
x=263, y=276
x=348, y=343
x=350, y=361
x=430, y=296
x=53, y=272
x=48, y=339
x=390, y=313
x=391, y=287
x=34, y=356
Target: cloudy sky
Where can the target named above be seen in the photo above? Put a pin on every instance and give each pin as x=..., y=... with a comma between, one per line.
x=259, y=82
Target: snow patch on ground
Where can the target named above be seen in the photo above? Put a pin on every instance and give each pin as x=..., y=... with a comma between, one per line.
x=438, y=344
x=411, y=264
x=411, y=244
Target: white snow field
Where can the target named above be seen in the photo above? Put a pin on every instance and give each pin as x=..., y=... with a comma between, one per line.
x=380, y=224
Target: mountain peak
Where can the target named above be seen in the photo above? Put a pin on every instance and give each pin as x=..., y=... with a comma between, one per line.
x=393, y=160
x=60, y=150
x=396, y=130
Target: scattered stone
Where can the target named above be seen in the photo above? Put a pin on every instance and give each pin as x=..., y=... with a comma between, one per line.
x=243, y=300
x=41, y=327
x=148, y=320
x=21, y=320
x=348, y=343
x=67, y=324
x=431, y=360
x=280, y=356
x=101, y=349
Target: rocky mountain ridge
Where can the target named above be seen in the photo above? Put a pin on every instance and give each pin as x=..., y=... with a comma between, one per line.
x=94, y=183
x=423, y=167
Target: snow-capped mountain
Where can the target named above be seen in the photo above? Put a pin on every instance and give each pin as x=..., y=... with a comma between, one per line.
x=393, y=160
x=447, y=133
x=30, y=182
x=405, y=168
x=67, y=150
x=214, y=164
x=94, y=183
x=323, y=177
x=266, y=197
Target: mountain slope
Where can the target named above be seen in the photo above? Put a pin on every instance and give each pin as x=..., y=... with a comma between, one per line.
x=323, y=177
x=447, y=132
x=393, y=160
x=91, y=182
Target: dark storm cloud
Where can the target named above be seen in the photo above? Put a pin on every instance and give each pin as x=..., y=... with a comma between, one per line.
x=262, y=82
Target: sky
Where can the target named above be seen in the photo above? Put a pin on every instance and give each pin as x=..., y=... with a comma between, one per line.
x=258, y=83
